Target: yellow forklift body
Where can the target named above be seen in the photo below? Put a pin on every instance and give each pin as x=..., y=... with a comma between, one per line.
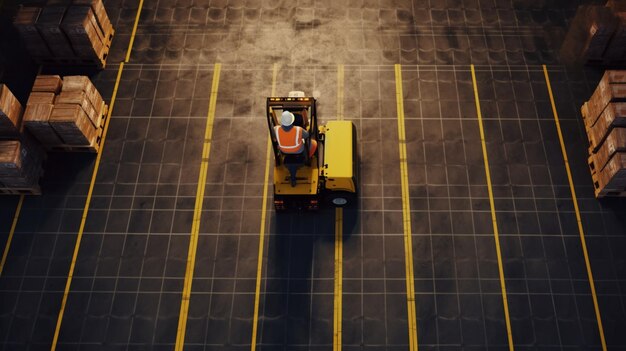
x=338, y=156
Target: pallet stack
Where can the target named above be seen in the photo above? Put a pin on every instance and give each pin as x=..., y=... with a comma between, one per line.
x=605, y=122
x=596, y=35
x=66, y=114
x=21, y=159
x=76, y=34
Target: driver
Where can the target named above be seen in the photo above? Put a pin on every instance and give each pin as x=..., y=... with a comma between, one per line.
x=291, y=137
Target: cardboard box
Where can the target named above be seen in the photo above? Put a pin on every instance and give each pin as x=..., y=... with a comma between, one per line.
x=82, y=29
x=72, y=124
x=36, y=120
x=97, y=6
x=10, y=113
x=25, y=23
x=82, y=83
x=40, y=98
x=611, y=88
x=588, y=35
x=614, y=115
x=615, y=142
x=48, y=83
x=49, y=25
x=80, y=98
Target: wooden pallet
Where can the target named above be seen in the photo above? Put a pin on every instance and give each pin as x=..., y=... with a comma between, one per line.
x=95, y=144
x=36, y=190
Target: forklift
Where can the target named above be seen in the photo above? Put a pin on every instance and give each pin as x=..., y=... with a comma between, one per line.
x=329, y=176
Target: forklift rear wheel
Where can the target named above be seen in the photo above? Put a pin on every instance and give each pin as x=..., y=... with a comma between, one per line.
x=340, y=198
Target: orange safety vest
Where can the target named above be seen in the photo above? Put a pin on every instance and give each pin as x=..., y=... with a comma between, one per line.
x=290, y=141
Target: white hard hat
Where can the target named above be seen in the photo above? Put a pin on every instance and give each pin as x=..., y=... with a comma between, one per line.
x=287, y=118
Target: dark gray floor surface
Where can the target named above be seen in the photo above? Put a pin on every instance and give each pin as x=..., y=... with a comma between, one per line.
x=127, y=287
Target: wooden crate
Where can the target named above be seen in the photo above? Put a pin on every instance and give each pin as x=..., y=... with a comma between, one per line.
x=48, y=83
x=49, y=25
x=25, y=24
x=10, y=113
x=72, y=124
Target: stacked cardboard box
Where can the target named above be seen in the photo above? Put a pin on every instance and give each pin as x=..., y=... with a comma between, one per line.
x=25, y=23
x=80, y=33
x=10, y=113
x=605, y=122
x=21, y=158
x=596, y=35
x=65, y=114
x=20, y=165
x=39, y=109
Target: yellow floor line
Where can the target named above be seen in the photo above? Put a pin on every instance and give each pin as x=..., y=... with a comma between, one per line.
x=86, y=210
x=576, y=209
x=406, y=214
x=340, y=88
x=338, y=293
x=11, y=231
x=195, y=225
x=337, y=315
x=496, y=234
x=132, y=36
x=259, y=269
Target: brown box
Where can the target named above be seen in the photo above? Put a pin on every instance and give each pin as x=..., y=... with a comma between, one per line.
x=588, y=35
x=611, y=88
x=82, y=83
x=616, y=48
x=72, y=124
x=49, y=25
x=612, y=180
x=80, y=98
x=615, y=142
x=20, y=164
x=48, y=83
x=614, y=115
x=97, y=6
x=10, y=161
x=40, y=98
x=82, y=29
x=36, y=120
x=10, y=113
x=24, y=22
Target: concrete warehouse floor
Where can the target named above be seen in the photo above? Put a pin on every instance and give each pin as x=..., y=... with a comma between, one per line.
x=130, y=266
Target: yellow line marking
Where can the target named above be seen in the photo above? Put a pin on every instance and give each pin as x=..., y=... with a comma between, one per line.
x=259, y=269
x=576, y=209
x=132, y=36
x=195, y=226
x=338, y=295
x=496, y=235
x=406, y=214
x=338, y=318
x=11, y=231
x=86, y=210
x=340, y=88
